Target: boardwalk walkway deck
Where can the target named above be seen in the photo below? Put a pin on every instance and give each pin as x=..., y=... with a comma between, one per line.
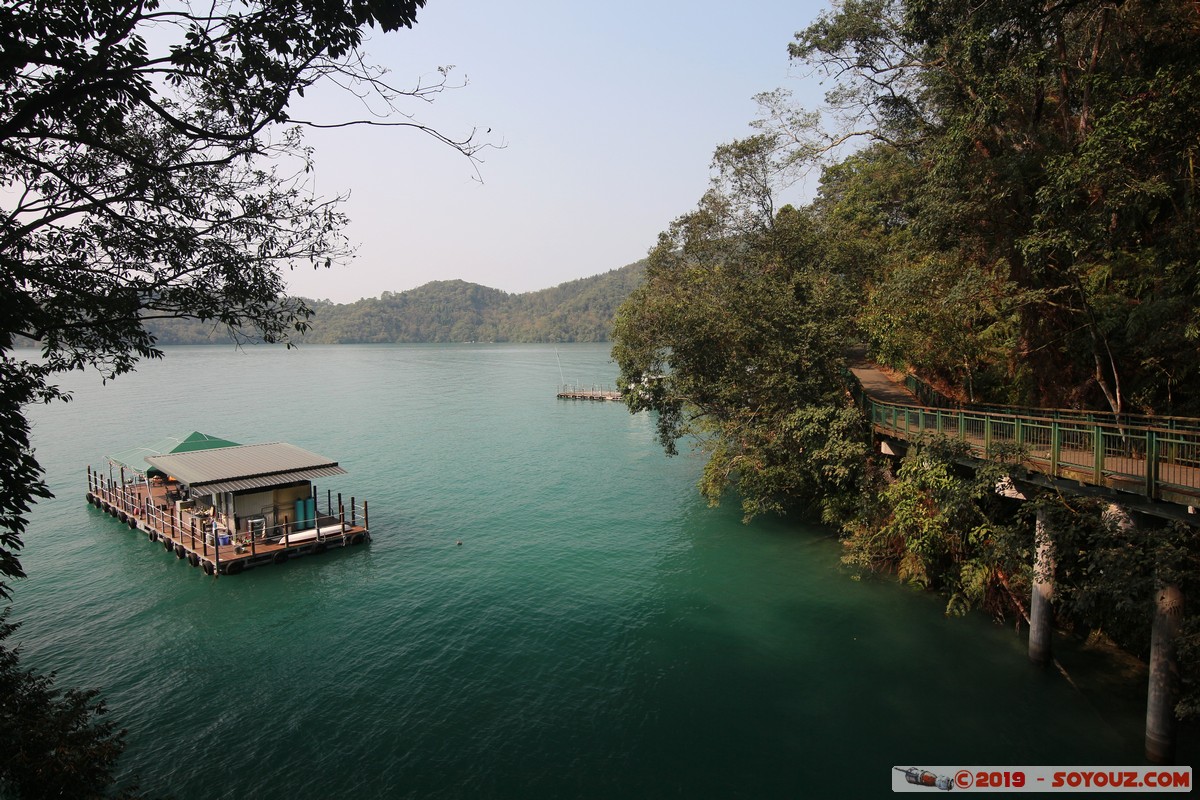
x=1156, y=459
x=875, y=382
x=593, y=393
x=1151, y=465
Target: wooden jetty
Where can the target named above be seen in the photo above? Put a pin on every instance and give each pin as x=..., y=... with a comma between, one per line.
x=592, y=393
x=229, y=509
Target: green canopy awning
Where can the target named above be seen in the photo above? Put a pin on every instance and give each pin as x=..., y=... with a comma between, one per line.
x=135, y=457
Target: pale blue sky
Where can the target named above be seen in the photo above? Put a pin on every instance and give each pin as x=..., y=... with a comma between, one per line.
x=609, y=113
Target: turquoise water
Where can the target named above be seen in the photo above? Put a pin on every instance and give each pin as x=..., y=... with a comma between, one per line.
x=600, y=632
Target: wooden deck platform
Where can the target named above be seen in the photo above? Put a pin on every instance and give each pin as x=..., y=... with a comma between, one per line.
x=588, y=394
x=206, y=543
x=1157, y=463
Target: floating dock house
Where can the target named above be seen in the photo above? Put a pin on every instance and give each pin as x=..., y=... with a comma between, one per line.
x=228, y=507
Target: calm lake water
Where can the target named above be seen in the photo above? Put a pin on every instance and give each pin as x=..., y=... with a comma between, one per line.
x=599, y=633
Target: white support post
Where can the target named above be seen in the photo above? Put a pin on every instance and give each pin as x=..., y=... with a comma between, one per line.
x=1164, y=675
x=1041, y=613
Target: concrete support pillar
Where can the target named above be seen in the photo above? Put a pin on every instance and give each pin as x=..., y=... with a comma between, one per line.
x=1041, y=615
x=1164, y=675
x=1163, y=689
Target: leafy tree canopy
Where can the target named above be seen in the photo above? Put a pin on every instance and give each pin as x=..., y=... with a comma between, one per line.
x=1008, y=208
x=151, y=166
x=736, y=338
x=1053, y=186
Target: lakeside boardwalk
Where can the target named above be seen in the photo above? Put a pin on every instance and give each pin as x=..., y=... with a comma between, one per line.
x=1152, y=464
x=877, y=384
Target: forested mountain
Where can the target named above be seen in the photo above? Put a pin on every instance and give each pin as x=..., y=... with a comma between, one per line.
x=456, y=311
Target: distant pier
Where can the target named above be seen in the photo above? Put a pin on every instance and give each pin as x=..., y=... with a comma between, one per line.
x=566, y=392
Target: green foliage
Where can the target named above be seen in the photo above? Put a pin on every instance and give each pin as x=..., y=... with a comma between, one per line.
x=21, y=383
x=55, y=743
x=736, y=339
x=1043, y=183
x=951, y=319
x=1109, y=568
x=941, y=526
x=1108, y=565
x=1021, y=226
x=810, y=460
x=1187, y=650
x=1045, y=252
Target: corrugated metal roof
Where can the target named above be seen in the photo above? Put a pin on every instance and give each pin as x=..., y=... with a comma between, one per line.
x=135, y=457
x=267, y=481
x=246, y=466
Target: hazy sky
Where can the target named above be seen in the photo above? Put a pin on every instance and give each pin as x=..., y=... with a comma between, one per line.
x=609, y=113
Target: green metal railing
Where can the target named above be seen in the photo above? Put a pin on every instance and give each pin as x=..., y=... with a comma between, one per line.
x=929, y=396
x=1158, y=461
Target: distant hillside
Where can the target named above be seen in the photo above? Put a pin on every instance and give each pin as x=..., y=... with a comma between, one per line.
x=456, y=311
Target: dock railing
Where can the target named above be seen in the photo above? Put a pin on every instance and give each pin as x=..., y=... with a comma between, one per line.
x=575, y=391
x=1157, y=461
x=928, y=396
x=210, y=536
